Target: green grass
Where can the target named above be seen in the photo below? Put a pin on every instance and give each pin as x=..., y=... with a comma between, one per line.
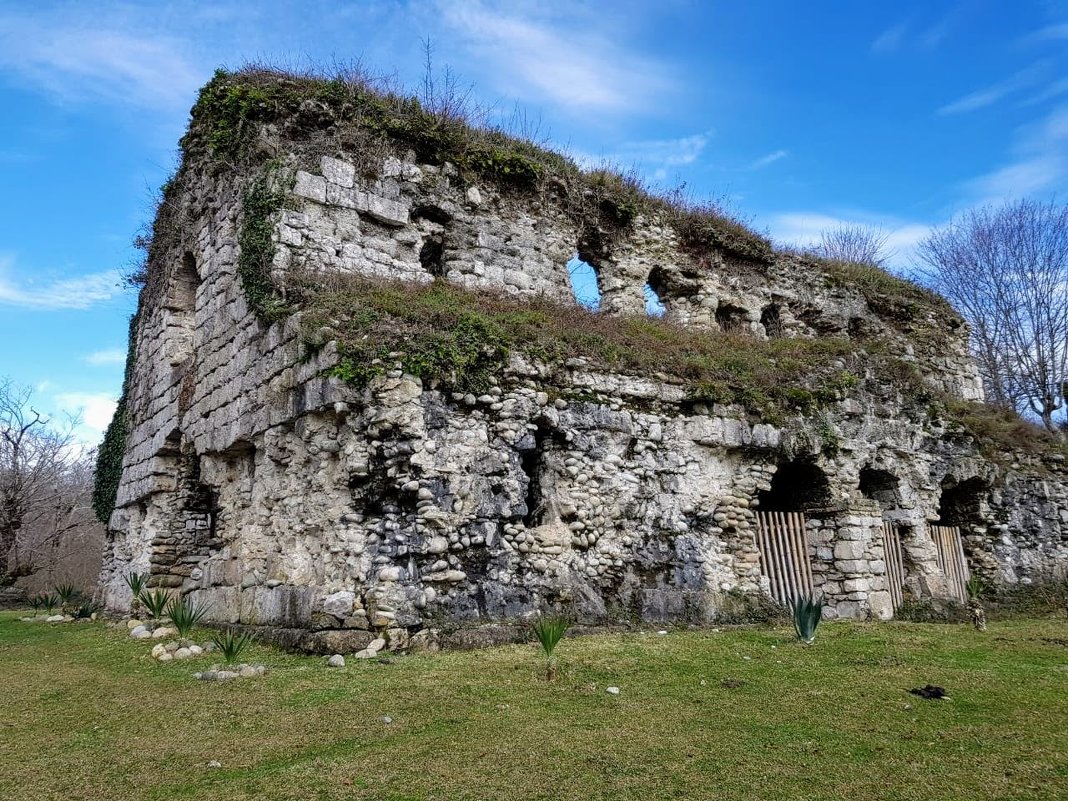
x=89, y=716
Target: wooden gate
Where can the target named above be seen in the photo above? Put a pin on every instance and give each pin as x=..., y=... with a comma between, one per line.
x=784, y=554
x=951, y=559
x=895, y=563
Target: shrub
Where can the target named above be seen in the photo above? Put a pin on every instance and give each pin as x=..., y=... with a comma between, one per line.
x=185, y=614
x=87, y=610
x=549, y=631
x=807, y=612
x=155, y=601
x=231, y=643
x=137, y=582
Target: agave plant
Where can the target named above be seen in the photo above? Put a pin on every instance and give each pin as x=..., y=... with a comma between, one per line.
x=49, y=601
x=36, y=602
x=86, y=610
x=231, y=643
x=807, y=612
x=137, y=582
x=549, y=631
x=155, y=601
x=185, y=614
x=66, y=593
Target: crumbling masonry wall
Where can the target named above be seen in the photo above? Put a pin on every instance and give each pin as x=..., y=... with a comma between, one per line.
x=281, y=496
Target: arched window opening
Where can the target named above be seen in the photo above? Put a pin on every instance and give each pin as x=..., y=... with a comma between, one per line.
x=585, y=283
x=432, y=254
x=880, y=486
x=731, y=319
x=180, y=306
x=771, y=319
x=797, y=486
x=654, y=306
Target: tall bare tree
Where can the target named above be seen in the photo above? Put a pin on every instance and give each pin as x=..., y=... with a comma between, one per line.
x=1006, y=269
x=45, y=488
x=854, y=243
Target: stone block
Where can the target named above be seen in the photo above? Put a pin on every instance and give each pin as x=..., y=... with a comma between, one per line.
x=337, y=172
x=312, y=187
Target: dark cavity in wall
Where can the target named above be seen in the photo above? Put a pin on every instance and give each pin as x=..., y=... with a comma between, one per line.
x=881, y=486
x=432, y=254
x=656, y=293
x=797, y=486
x=536, y=468
x=731, y=319
x=961, y=502
x=771, y=319
x=585, y=283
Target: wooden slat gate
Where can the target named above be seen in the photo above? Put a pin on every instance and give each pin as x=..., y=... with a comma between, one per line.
x=895, y=563
x=784, y=554
x=951, y=559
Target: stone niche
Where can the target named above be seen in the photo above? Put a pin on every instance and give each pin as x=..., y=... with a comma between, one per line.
x=287, y=499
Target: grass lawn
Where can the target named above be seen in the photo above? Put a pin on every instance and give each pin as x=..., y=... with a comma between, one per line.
x=744, y=714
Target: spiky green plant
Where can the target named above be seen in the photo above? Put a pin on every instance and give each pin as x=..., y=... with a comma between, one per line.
x=976, y=588
x=155, y=601
x=66, y=593
x=36, y=602
x=49, y=601
x=185, y=614
x=549, y=631
x=137, y=582
x=231, y=643
x=807, y=612
x=86, y=609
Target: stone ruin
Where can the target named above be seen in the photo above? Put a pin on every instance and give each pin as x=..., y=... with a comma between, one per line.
x=256, y=479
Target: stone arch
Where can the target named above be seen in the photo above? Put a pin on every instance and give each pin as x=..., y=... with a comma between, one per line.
x=585, y=280
x=798, y=485
x=656, y=293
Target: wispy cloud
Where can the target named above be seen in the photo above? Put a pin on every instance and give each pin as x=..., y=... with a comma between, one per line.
x=81, y=292
x=654, y=157
x=890, y=39
x=80, y=58
x=1040, y=162
x=568, y=64
x=106, y=357
x=770, y=158
x=995, y=92
x=1051, y=33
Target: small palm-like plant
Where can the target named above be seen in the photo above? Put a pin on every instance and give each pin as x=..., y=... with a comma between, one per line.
x=549, y=631
x=231, y=643
x=49, y=601
x=155, y=601
x=66, y=593
x=36, y=602
x=807, y=612
x=87, y=609
x=137, y=582
x=185, y=614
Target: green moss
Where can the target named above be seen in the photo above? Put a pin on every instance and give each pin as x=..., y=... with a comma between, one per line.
x=261, y=203
x=109, y=456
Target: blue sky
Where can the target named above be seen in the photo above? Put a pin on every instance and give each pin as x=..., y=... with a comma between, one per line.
x=894, y=115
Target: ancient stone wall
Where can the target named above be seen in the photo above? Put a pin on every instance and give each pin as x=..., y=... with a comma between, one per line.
x=281, y=496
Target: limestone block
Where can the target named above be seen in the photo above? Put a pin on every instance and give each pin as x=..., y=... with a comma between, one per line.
x=312, y=187
x=339, y=604
x=337, y=172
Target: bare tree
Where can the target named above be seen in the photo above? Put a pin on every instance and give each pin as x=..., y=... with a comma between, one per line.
x=1006, y=269
x=854, y=243
x=45, y=488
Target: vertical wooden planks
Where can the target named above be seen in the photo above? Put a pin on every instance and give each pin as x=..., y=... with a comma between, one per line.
x=784, y=558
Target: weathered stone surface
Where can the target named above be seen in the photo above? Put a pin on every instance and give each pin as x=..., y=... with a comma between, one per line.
x=324, y=515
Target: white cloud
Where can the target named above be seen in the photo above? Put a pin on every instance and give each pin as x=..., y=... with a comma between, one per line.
x=891, y=39
x=770, y=158
x=94, y=409
x=992, y=94
x=104, y=357
x=81, y=292
x=82, y=58
x=566, y=62
x=1040, y=162
x=1050, y=33
x=654, y=155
